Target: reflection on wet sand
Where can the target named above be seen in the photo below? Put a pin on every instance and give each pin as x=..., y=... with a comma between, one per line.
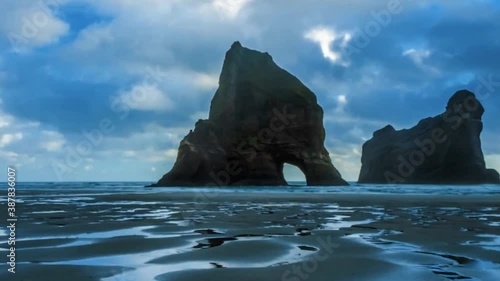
x=140, y=237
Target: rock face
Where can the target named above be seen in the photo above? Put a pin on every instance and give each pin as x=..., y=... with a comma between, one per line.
x=445, y=149
x=260, y=118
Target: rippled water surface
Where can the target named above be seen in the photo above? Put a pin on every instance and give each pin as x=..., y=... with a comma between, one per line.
x=150, y=233
x=295, y=187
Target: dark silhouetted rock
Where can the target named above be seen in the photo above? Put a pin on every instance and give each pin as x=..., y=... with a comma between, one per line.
x=261, y=117
x=445, y=149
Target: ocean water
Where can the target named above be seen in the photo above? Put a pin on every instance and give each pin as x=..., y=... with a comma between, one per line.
x=294, y=187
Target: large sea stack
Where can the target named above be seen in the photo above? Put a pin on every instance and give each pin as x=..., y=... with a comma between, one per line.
x=445, y=149
x=261, y=117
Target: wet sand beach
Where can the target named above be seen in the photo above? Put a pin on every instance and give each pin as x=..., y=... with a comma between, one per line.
x=192, y=235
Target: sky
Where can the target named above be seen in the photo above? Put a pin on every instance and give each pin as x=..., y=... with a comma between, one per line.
x=104, y=90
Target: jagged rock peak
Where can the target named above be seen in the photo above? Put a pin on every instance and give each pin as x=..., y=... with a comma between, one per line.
x=261, y=117
x=236, y=45
x=250, y=74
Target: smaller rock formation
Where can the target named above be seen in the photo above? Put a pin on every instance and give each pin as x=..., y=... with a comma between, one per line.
x=261, y=117
x=445, y=149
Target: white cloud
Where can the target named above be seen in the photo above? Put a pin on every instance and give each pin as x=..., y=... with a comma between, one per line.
x=5, y=119
x=325, y=37
x=146, y=98
x=8, y=156
x=129, y=153
x=346, y=159
x=155, y=156
x=53, y=141
x=4, y=122
x=341, y=103
x=93, y=37
x=27, y=143
x=181, y=78
x=206, y=81
x=6, y=139
x=342, y=99
x=229, y=8
x=32, y=24
x=53, y=145
x=418, y=57
x=171, y=153
x=162, y=89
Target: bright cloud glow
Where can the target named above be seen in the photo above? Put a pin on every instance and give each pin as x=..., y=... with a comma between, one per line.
x=325, y=37
x=341, y=103
x=229, y=8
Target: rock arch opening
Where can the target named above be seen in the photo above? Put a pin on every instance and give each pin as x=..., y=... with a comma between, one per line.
x=293, y=175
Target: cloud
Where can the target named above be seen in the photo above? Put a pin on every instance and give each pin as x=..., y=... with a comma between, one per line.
x=229, y=8
x=8, y=155
x=16, y=141
x=129, y=153
x=145, y=97
x=326, y=37
x=6, y=139
x=32, y=24
x=158, y=156
x=206, y=81
x=5, y=121
x=93, y=38
x=341, y=103
x=94, y=52
x=347, y=160
x=419, y=57
x=53, y=141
